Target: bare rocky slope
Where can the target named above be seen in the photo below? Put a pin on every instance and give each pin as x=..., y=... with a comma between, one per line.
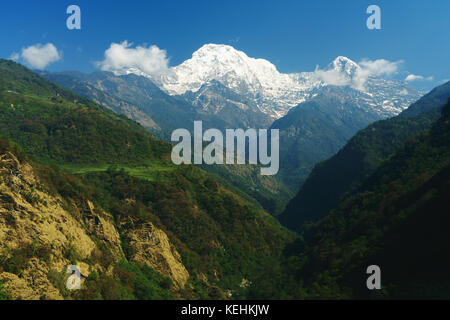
x=51, y=232
x=84, y=186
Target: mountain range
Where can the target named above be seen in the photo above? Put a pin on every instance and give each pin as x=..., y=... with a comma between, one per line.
x=83, y=184
x=344, y=172
x=219, y=78
x=258, y=85
x=395, y=217
x=380, y=200
x=316, y=112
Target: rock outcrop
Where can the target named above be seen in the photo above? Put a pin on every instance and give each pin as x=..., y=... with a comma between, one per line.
x=152, y=247
x=40, y=233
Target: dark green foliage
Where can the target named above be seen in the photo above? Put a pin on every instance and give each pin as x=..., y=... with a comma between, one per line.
x=70, y=253
x=145, y=283
x=140, y=99
x=128, y=282
x=16, y=260
x=31, y=196
x=219, y=234
x=58, y=280
x=397, y=219
x=268, y=191
x=7, y=145
x=215, y=231
x=58, y=182
x=3, y=294
x=435, y=98
x=16, y=79
x=105, y=288
x=54, y=125
x=315, y=130
x=342, y=174
x=125, y=242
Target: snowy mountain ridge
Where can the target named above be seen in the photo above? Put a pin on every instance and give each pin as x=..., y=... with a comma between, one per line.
x=263, y=87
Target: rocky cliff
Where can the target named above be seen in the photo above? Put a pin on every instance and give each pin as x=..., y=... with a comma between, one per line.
x=41, y=234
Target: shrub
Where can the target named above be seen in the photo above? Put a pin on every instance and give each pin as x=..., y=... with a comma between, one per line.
x=3, y=294
x=146, y=283
x=16, y=261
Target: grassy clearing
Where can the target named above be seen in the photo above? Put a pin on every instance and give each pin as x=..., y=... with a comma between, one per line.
x=150, y=171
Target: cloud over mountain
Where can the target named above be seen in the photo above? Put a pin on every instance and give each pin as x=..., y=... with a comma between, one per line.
x=344, y=72
x=332, y=77
x=414, y=77
x=121, y=57
x=38, y=56
x=256, y=83
x=374, y=68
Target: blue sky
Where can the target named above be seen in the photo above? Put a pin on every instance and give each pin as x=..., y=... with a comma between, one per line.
x=294, y=35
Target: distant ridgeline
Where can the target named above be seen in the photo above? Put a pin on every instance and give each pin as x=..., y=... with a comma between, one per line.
x=332, y=180
x=396, y=219
x=224, y=88
x=76, y=168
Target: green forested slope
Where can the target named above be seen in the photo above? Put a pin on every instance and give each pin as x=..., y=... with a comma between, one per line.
x=140, y=99
x=222, y=237
x=315, y=130
x=53, y=125
x=343, y=173
x=397, y=219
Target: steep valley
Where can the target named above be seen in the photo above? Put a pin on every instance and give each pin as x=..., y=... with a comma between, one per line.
x=84, y=186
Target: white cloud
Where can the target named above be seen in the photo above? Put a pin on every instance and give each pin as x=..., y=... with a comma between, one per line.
x=370, y=68
x=121, y=57
x=40, y=56
x=356, y=75
x=414, y=77
x=332, y=77
x=380, y=67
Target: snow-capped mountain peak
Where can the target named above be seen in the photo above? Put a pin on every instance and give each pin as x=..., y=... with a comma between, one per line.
x=259, y=80
x=262, y=87
x=345, y=65
x=222, y=63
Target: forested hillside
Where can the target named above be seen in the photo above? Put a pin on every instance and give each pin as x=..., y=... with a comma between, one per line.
x=316, y=129
x=81, y=153
x=343, y=173
x=397, y=219
x=140, y=99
